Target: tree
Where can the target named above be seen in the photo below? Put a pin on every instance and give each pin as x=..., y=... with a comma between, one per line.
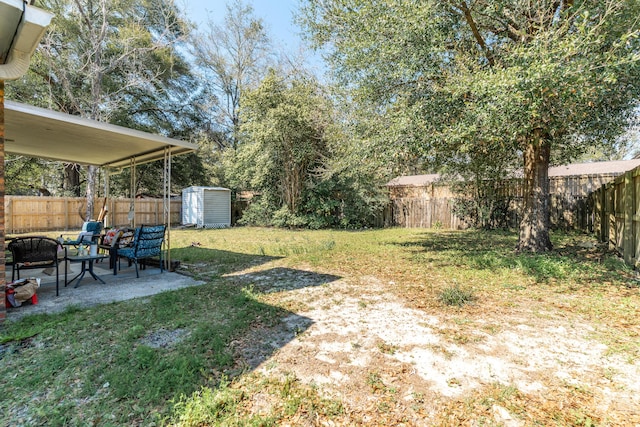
x=233, y=57
x=491, y=81
x=285, y=120
x=302, y=167
x=111, y=61
x=28, y=175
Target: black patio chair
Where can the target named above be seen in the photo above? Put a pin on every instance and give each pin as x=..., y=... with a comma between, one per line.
x=33, y=252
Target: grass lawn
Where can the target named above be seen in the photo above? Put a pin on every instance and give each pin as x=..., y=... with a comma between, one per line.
x=246, y=348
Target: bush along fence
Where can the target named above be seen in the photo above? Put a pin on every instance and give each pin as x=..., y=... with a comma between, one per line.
x=616, y=215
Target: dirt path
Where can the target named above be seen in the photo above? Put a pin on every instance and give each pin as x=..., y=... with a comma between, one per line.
x=392, y=364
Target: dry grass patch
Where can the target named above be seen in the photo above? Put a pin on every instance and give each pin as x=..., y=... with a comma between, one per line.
x=350, y=328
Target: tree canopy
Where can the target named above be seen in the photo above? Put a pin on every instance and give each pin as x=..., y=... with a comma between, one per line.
x=494, y=82
x=292, y=158
x=117, y=62
x=232, y=58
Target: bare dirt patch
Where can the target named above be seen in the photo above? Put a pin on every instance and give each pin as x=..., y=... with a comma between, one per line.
x=391, y=363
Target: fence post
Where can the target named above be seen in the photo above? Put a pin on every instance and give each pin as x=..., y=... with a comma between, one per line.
x=611, y=215
x=629, y=199
x=66, y=214
x=8, y=216
x=604, y=221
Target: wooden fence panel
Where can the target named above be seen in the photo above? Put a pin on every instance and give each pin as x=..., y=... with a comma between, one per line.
x=27, y=214
x=422, y=213
x=431, y=205
x=566, y=213
x=615, y=209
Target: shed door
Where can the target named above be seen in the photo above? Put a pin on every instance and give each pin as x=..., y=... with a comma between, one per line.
x=190, y=207
x=217, y=208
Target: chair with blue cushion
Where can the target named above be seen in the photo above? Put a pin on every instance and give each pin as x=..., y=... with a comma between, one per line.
x=90, y=234
x=147, y=243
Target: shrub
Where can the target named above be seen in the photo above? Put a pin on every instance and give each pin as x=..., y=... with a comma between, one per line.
x=257, y=213
x=455, y=295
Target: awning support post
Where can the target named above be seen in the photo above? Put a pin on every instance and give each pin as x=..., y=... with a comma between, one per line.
x=167, y=204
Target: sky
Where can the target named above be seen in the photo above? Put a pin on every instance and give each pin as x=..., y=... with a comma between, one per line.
x=276, y=14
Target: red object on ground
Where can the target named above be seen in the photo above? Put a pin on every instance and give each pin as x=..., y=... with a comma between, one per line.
x=7, y=304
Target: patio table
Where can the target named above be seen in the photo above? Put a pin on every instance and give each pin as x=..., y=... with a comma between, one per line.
x=87, y=266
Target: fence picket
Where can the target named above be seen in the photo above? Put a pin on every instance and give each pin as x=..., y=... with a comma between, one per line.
x=27, y=214
x=615, y=209
x=432, y=205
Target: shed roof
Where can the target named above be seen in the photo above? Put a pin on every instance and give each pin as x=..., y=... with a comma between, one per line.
x=201, y=187
x=38, y=132
x=611, y=168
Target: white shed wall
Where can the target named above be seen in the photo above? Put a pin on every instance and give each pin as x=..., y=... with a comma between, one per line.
x=208, y=207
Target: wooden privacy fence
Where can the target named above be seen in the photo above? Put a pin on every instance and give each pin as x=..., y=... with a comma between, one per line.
x=422, y=213
x=432, y=205
x=26, y=214
x=616, y=215
x=566, y=212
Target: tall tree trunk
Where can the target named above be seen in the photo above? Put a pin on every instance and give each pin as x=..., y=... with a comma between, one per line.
x=534, y=226
x=72, y=179
x=92, y=173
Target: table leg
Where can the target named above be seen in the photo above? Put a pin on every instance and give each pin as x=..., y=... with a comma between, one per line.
x=81, y=274
x=94, y=274
x=113, y=258
x=66, y=263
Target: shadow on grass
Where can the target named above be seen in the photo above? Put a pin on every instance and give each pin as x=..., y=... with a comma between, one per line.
x=215, y=262
x=574, y=256
x=158, y=349
x=283, y=279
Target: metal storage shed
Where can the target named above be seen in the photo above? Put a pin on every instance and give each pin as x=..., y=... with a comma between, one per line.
x=208, y=207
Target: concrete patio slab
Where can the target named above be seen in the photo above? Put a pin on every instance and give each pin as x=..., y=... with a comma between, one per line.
x=91, y=292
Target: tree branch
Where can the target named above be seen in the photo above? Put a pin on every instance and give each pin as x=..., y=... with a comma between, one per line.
x=505, y=25
x=476, y=33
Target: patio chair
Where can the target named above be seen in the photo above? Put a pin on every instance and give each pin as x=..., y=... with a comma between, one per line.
x=90, y=233
x=33, y=252
x=114, y=239
x=147, y=243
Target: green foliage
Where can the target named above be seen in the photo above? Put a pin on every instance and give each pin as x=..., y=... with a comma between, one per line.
x=258, y=213
x=333, y=202
x=122, y=63
x=285, y=120
x=295, y=160
x=284, y=218
x=186, y=170
x=456, y=295
x=27, y=175
x=345, y=199
x=471, y=83
x=481, y=205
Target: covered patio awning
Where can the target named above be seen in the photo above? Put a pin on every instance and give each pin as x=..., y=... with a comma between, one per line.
x=21, y=28
x=38, y=132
